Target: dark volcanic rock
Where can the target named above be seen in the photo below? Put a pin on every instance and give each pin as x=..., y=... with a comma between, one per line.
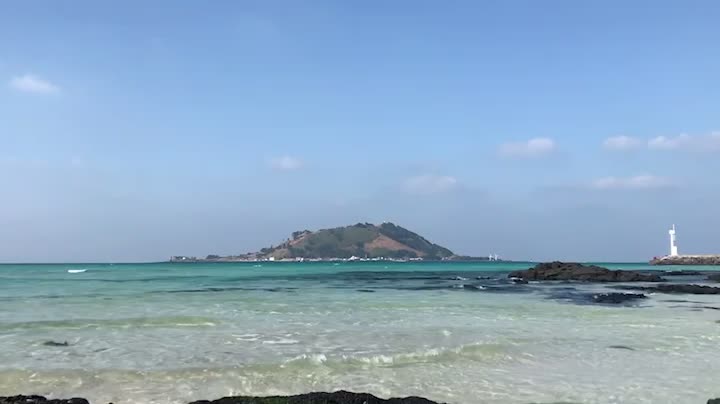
x=688, y=289
x=40, y=400
x=714, y=401
x=572, y=295
x=562, y=271
x=682, y=273
x=625, y=347
x=55, y=343
x=617, y=298
x=675, y=288
x=714, y=277
x=338, y=397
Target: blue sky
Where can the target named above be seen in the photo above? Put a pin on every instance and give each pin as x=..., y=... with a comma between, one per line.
x=131, y=131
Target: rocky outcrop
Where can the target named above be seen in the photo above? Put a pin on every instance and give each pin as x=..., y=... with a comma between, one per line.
x=338, y=397
x=714, y=277
x=687, y=260
x=678, y=288
x=562, y=271
x=714, y=401
x=40, y=400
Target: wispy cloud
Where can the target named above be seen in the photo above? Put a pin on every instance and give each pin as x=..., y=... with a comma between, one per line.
x=536, y=147
x=669, y=143
x=429, y=184
x=622, y=143
x=32, y=84
x=285, y=163
x=683, y=142
x=697, y=143
x=644, y=181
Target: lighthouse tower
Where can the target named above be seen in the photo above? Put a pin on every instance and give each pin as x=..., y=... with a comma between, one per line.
x=673, y=242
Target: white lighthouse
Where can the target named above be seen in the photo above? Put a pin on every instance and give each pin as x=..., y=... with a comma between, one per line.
x=673, y=242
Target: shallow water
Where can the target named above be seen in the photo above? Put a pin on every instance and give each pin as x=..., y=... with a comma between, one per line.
x=171, y=333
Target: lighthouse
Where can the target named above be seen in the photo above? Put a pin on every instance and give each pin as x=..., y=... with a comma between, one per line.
x=673, y=242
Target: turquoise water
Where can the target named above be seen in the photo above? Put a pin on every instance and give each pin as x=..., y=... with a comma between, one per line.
x=454, y=332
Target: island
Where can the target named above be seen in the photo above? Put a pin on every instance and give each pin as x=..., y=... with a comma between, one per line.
x=358, y=242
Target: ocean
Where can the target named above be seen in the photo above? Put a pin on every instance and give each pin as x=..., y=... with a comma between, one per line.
x=452, y=332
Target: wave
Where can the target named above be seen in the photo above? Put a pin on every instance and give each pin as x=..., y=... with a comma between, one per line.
x=132, y=322
x=470, y=352
x=76, y=271
x=282, y=341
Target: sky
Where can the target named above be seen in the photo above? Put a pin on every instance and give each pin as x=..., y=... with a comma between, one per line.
x=134, y=130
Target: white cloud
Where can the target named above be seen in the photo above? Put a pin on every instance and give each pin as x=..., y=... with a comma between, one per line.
x=430, y=184
x=532, y=148
x=669, y=143
x=622, y=143
x=683, y=142
x=644, y=181
x=32, y=84
x=286, y=163
x=697, y=143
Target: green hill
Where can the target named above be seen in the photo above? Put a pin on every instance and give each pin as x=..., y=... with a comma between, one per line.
x=361, y=240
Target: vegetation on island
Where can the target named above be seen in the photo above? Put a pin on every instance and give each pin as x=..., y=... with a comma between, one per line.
x=362, y=241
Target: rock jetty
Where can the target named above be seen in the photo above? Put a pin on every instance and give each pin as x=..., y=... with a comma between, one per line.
x=687, y=260
x=567, y=271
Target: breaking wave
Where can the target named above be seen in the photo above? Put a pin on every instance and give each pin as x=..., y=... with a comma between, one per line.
x=470, y=352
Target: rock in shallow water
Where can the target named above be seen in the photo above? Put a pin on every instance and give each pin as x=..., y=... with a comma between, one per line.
x=682, y=273
x=673, y=288
x=617, y=298
x=563, y=271
x=40, y=400
x=55, y=343
x=627, y=348
x=338, y=397
x=714, y=277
